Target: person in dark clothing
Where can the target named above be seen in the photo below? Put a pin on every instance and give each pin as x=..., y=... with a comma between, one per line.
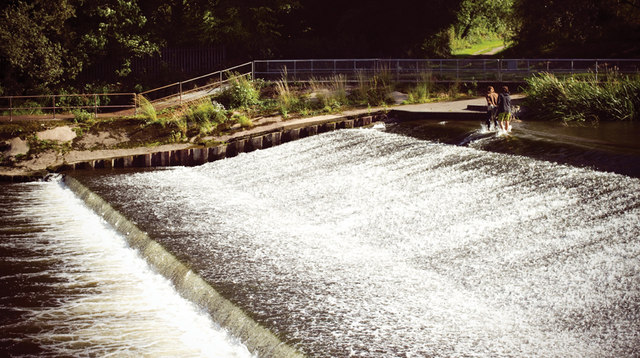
x=492, y=107
x=504, y=109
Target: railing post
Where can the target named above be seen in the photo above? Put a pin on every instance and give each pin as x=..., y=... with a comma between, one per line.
x=180, y=84
x=135, y=104
x=11, y=108
x=596, y=70
x=95, y=105
x=54, y=106
x=499, y=70
x=253, y=70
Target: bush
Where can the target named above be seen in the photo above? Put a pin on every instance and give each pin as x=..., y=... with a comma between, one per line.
x=583, y=99
x=206, y=115
x=241, y=92
x=81, y=116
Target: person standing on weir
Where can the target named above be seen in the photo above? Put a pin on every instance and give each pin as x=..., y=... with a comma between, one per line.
x=504, y=109
x=492, y=108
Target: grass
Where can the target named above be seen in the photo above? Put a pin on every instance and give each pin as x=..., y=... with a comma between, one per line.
x=467, y=49
x=148, y=111
x=583, y=98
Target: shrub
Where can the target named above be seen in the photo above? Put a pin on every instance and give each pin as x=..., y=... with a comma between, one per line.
x=206, y=115
x=583, y=99
x=242, y=92
x=81, y=116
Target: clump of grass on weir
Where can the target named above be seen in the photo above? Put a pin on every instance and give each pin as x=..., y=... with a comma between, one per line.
x=617, y=98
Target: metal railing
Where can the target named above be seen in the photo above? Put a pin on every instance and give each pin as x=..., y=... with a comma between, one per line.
x=194, y=88
x=63, y=105
x=440, y=70
x=399, y=70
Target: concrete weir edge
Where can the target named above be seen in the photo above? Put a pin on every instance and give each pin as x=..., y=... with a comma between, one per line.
x=241, y=144
x=258, y=339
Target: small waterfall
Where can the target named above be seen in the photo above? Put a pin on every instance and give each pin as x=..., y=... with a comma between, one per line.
x=369, y=243
x=190, y=285
x=72, y=287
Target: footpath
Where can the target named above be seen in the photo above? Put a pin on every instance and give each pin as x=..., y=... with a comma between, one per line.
x=266, y=132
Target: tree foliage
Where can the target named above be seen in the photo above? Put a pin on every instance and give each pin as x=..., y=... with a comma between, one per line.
x=34, y=48
x=483, y=17
x=578, y=28
x=52, y=45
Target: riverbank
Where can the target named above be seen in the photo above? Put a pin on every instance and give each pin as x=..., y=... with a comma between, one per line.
x=115, y=144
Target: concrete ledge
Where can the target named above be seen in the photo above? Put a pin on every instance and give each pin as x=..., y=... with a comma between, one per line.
x=201, y=155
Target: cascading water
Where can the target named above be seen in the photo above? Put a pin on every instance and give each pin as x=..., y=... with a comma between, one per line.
x=71, y=287
x=368, y=243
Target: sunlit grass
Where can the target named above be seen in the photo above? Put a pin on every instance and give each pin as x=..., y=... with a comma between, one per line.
x=477, y=48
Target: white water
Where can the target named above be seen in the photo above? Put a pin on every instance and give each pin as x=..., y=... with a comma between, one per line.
x=366, y=243
x=100, y=299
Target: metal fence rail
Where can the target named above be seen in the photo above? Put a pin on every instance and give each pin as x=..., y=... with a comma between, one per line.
x=62, y=105
x=440, y=70
x=399, y=70
x=179, y=92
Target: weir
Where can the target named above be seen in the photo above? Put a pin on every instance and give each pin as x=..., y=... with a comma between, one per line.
x=369, y=243
x=258, y=339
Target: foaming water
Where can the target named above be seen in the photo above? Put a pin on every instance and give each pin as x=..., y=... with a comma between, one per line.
x=71, y=287
x=368, y=243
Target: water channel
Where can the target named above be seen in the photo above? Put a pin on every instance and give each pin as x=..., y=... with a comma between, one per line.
x=416, y=239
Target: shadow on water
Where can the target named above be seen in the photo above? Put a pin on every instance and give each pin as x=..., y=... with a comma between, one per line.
x=610, y=147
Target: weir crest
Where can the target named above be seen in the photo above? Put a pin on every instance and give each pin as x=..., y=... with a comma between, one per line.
x=189, y=284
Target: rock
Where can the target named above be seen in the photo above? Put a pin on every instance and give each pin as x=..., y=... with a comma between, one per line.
x=60, y=134
x=16, y=146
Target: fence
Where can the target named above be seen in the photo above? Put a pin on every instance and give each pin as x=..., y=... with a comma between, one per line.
x=62, y=105
x=440, y=70
x=183, y=91
x=400, y=70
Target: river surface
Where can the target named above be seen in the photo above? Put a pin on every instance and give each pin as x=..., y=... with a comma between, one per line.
x=70, y=287
x=376, y=243
x=370, y=243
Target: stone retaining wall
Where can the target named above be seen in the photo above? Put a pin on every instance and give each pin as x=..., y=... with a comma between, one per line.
x=201, y=155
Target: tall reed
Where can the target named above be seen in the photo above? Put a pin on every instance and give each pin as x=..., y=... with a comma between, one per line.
x=147, y=110
x=583, y=99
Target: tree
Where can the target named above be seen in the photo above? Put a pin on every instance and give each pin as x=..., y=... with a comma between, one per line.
x=578, y=28
x=112, y=32
x=359, y=28
x=483, y=17
x=34, y=45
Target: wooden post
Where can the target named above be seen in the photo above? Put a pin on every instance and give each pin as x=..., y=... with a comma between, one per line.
x=95, y=105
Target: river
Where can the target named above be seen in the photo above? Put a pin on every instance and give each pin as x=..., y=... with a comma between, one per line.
x=372, y=242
